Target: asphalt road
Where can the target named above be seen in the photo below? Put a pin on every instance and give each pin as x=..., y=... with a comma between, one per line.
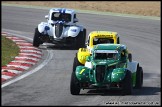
x=51, y=84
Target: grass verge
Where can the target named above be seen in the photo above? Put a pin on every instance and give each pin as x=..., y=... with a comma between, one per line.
x=9, y=50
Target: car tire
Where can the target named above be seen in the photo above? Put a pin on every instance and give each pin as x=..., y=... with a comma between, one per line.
x=84, y=37
x=74, y=84
x=36, y=39
x=76, y=63
x=139, y=77
x=118, y=41
x=80, y=39
x=127, y=84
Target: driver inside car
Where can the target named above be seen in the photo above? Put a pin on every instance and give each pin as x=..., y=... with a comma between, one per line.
x=65, y=17
x=100, y=41
x=104, y=40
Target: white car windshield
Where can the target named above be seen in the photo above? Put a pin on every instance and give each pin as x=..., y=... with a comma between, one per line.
x=56, y=16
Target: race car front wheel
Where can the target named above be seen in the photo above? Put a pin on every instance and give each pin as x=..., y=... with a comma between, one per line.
x=127, y=84
x=36, y=39
x=74, y=85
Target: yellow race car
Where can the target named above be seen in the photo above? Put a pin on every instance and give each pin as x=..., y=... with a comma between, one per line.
x=94, y=38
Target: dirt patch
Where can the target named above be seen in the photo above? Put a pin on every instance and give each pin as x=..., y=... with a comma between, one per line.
x=146, y=8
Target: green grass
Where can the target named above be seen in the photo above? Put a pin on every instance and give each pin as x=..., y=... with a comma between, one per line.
x=9, y=50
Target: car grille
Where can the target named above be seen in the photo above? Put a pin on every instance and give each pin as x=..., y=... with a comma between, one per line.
x=100, y=72
x=58, y=29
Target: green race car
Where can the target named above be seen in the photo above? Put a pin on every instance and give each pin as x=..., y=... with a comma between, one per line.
x=109, y=67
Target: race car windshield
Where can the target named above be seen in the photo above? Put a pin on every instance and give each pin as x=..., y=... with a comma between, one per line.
x=106, y=54
x=102, y=41
x=56, y=16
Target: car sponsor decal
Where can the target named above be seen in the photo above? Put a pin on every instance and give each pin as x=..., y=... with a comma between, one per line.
x=102, y=62
x=104, y=36
x=115, y=73
x=82, y=71
x=112, y=64
x=74, y=30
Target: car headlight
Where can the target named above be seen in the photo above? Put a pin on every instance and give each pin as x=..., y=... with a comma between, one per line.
x=89, y=65
x=47, y=28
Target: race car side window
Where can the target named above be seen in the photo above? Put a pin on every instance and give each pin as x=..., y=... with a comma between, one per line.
x=55, y=16
x=75, y=19
x=74, y=16
x=123, y=55
x=118, y=41
x=88, y=40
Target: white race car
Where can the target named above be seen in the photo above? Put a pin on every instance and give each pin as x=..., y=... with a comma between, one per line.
x=61, y=29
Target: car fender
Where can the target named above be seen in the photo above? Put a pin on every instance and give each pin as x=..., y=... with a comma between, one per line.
x=82, y=54
x=41, y=27
x=132, y=66
x=72, y=31
x=118, y=74
x=82, y=73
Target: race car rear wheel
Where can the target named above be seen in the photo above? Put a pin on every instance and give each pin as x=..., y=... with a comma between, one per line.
x=84, y=37
x=74, y=85
x=118, y=41
x=139, y=77
x=36, y=39
x=127, y=84
x=80, y=39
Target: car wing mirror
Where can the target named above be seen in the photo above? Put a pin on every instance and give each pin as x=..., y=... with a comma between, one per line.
x=86, y=43
x=46, y=17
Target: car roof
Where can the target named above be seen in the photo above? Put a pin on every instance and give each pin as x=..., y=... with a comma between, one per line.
x=100, y=34
x=62, y=10
x=109, y=47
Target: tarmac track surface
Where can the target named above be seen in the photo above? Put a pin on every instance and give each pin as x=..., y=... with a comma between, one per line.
x=51, y=84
